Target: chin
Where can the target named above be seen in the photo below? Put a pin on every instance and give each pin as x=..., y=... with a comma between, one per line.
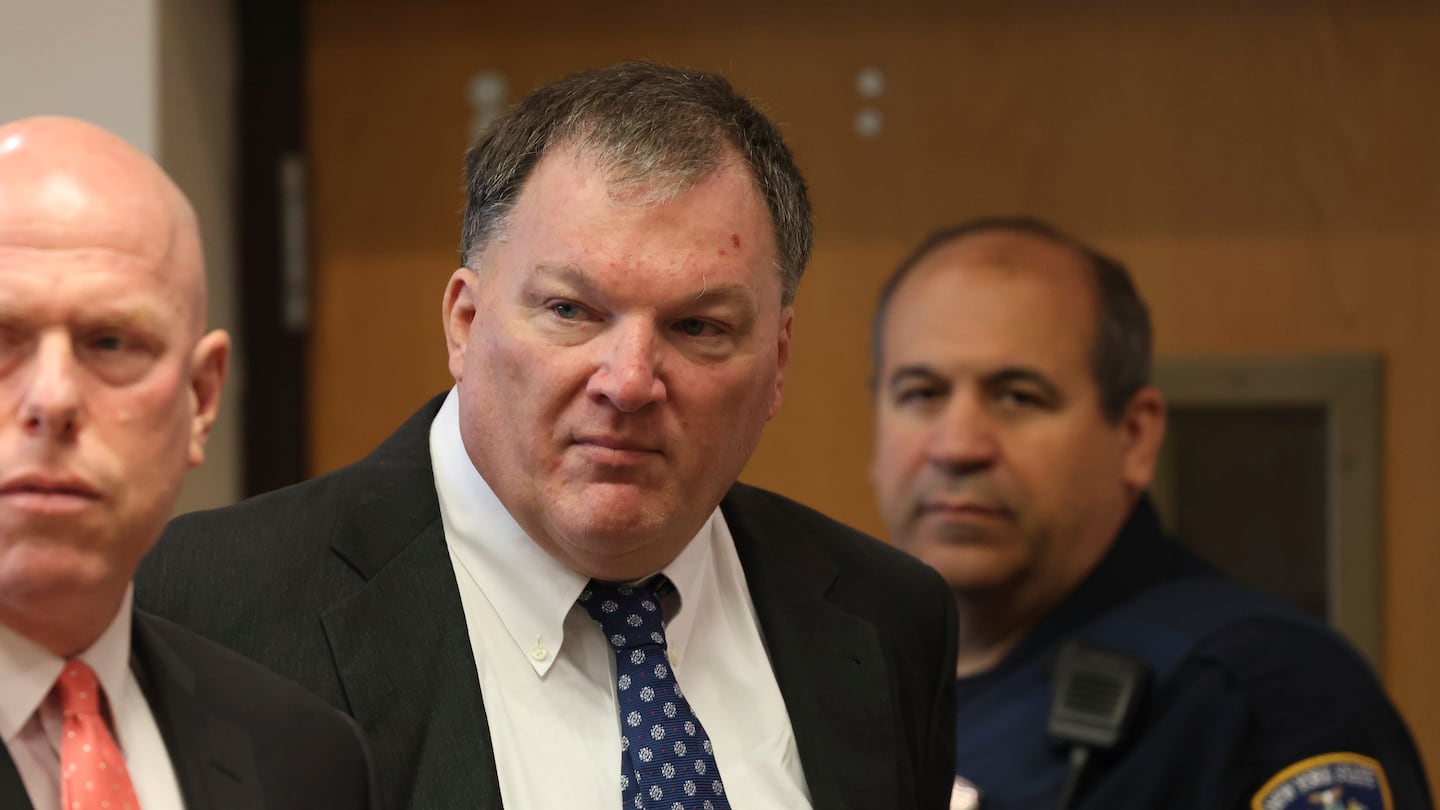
x=969, y=568
x=977, y=584
x=50, y=567
x=615, y=553
x=622, y=506
x=642, y=529
x=596, y=534
x=602, y=524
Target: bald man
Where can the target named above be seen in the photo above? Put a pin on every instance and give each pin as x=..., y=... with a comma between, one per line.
x=109, y=385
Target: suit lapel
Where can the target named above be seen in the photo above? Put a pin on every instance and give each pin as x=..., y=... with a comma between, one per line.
x=213, y=759
x=12, y=790
x=829, y=664
x=400, y=643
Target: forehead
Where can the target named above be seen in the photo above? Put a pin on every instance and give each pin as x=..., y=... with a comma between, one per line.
x=84, y=197
x=571, y=206
x=990, y=300
x=65, y=228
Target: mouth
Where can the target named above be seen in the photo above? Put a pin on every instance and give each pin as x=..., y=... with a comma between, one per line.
x=962, y=508
x=616, y=451
x=49, y=494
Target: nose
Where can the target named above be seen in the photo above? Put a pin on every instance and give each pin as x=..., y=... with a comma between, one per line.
x=50, y=407
x=627, y=374
x=963, y=438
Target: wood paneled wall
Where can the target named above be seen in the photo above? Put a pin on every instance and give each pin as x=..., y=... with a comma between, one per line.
x=1269, y=171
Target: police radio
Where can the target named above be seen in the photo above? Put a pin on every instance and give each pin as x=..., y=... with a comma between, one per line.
x=1097, y=693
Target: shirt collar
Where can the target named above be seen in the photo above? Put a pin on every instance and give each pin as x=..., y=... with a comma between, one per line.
x=531, y=591
x=692, y=572
x=28, y=670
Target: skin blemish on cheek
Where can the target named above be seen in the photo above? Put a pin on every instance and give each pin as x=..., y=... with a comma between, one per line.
x=721, y=251
x=735, y=239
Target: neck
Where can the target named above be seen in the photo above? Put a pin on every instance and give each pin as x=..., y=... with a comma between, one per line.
x=995, y=617
x=989, y=629
x=66, y=628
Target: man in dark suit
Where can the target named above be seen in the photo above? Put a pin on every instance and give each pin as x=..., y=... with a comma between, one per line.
x=619, y=334
x=109, y=386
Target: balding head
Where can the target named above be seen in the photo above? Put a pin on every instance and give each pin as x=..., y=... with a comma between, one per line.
x=1120, y=350
x=108, y=384
x=70, y=184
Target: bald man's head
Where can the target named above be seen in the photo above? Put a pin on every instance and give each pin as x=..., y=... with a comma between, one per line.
x=108, y=383
x=69, y=182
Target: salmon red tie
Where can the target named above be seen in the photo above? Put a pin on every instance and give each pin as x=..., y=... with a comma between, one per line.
x=92, y=769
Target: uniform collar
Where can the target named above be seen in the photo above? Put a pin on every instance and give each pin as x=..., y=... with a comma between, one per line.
x=1139, y=557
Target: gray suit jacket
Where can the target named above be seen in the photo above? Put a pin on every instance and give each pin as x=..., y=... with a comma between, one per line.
x=344, y=584
x=239, y=736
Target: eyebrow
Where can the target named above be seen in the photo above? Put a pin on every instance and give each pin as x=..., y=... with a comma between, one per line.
x=710, y=294
x=567, y=273
x=904, y=373
x=104, y=315
x=1000, y=376
x=740, y=295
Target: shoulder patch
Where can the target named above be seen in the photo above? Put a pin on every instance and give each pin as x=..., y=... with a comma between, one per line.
x=1338, y=781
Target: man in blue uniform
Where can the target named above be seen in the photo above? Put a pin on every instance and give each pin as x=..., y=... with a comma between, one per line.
x=1016, y=434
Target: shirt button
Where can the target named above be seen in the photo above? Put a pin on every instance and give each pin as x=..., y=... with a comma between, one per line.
x=539, y=653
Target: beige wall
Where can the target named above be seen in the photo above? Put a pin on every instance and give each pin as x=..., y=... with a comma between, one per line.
x=77, y=57
x=198, y=130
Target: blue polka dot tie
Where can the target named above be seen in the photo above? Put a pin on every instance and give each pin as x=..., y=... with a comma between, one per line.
x=666, y=760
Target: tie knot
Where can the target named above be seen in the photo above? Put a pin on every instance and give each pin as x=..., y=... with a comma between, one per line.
x=630, y=615
x=78, y=688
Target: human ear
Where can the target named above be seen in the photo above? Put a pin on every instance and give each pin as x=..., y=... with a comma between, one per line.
x=458, y=314
x=209, y=363
x=1143, y=428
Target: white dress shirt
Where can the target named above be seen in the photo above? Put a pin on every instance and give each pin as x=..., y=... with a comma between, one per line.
x=31, y=723
x=547, y=673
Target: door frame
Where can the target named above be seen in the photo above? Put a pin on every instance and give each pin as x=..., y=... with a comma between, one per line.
x=273, y=355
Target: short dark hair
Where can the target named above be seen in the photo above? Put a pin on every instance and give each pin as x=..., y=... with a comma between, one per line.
x=1120, y=358
x=645, y=124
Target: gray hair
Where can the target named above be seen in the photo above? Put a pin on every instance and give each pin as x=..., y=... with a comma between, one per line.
x=645, y=124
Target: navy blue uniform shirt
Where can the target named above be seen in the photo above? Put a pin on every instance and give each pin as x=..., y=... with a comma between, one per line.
x=1251, y=703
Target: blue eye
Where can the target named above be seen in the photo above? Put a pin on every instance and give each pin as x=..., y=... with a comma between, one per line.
x=565, y=310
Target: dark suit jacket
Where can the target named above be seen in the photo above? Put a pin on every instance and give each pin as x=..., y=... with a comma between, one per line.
x=344, y=584
x=239, y=737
